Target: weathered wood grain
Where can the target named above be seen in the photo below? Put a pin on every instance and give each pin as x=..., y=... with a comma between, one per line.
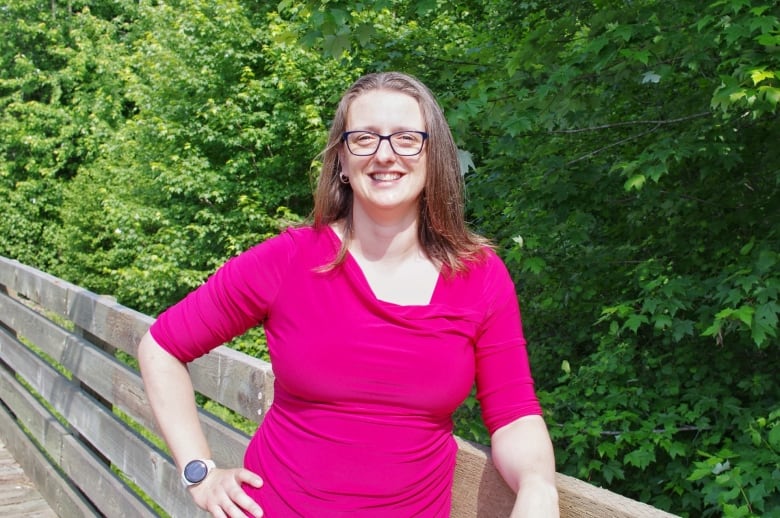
x=224, y=375
x=479, y=491
x=103, y=374
x=18, y=496
x=61, y=497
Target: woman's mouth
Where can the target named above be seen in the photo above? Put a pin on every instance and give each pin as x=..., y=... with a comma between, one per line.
x=385, y=177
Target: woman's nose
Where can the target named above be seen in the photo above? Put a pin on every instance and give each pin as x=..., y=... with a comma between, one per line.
x=385, y=150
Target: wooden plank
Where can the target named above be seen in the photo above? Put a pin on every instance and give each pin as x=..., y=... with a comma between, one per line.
x=231, y=378
x=236, y=380
x=140, y=461
x=111, y=379
x=84, y=469
x=582, y=500
x=8, y=269
x=93, y=422
x=108, y=320
x=18, y=496
x=102, y=373
x=479, y=491
x=35, y=285
x=58, y=492
x=101, y=315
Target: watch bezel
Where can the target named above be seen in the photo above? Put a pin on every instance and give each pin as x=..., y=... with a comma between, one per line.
x=196, y=471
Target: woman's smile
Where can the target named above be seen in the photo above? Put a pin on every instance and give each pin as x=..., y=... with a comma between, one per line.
x=386, y=177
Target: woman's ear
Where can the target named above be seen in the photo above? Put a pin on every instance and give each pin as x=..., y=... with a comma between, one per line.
x=339, y=167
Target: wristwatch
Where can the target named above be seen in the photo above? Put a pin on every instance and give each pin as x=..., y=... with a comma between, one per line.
x=195, y=471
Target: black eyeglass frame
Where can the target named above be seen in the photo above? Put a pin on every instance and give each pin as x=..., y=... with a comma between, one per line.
x=346, y=134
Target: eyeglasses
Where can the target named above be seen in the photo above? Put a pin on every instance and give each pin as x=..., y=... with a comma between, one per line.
x=366, y=143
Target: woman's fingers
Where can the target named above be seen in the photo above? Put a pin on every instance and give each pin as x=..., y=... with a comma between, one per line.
x=241, y=499
x=221, y=494
x=247, y=477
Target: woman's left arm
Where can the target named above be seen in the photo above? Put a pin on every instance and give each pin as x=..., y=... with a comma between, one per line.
x=523, y=454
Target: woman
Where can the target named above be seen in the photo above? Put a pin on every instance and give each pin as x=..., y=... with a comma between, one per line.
x=379, y=317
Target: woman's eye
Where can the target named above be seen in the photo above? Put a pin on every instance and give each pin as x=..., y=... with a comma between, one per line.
x=406, y=138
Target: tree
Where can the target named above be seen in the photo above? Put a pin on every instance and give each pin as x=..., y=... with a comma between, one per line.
x=214, y=154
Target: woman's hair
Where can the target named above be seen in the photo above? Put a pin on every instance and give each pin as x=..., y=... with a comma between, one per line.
x=442, y=229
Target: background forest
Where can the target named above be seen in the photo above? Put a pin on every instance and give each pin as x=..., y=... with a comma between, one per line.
x=623, y=154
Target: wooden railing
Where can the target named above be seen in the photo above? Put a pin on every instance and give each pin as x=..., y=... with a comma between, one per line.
x=75, y=416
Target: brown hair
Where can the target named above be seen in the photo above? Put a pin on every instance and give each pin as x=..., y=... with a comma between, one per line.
x=442, y=229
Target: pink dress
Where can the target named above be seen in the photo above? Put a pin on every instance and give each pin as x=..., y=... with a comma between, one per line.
x=365, y=389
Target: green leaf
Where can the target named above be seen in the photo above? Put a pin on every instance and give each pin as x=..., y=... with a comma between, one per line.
x=634, y=321
x=635, y=182
x=677, y=449
x=759, y=75
x=744, y=314
x=640, y=458
x=336, y=45
x=774, y=437
x=534, y=265
x=662, y=322
x=770, y=94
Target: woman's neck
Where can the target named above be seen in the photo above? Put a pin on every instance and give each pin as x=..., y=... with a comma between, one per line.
x=389, y=240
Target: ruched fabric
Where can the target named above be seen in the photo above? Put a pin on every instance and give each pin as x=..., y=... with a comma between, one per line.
x=361, y=423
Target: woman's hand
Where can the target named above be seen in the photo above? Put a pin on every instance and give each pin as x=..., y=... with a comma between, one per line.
x=221, y=494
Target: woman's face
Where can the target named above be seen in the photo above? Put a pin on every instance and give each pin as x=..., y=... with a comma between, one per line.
x=385, y=182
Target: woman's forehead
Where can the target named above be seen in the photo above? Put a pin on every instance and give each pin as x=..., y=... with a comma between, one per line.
x=385, y=108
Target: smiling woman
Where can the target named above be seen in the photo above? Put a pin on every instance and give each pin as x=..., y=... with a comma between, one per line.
x=442, y=232
x=380, y=316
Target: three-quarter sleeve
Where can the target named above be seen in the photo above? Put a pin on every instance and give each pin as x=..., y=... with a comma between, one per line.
x=505, y=387
x=236, y=298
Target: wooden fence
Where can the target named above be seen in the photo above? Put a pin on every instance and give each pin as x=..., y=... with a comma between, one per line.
x=75, y=416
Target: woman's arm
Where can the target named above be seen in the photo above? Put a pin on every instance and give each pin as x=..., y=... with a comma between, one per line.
x=172, y=398
x=523, y=454
x=169, y=389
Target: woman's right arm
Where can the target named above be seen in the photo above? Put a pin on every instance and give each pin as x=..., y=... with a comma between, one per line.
x=172, y=398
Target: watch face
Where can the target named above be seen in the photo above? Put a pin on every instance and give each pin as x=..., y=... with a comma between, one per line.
x=196, y=471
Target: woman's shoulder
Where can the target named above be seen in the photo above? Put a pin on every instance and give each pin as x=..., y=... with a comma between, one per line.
x=291, y=248
x=480, y=269
x=304, y=232
x=484, y=261
x=293, y=237
x=309, y=237
x=303, y=241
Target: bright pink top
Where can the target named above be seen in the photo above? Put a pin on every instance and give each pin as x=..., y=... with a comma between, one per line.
x=365, y=389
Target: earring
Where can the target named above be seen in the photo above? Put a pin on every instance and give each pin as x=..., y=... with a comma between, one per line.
x=344, y=178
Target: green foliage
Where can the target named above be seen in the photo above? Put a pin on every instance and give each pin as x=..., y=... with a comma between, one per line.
x=743, y=477
x=183, y=132
x=622, y=157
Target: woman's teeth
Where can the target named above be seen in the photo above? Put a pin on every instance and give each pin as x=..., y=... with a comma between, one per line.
x=385, y=177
